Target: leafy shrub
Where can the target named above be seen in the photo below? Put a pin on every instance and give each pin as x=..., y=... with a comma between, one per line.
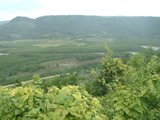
x=31, y=102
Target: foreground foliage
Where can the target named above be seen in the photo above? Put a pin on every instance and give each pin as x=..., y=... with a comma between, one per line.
x=115, y=91
x=133, y=92
x=32, y=102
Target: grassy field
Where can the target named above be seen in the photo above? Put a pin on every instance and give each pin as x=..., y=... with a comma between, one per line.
x=21, y=59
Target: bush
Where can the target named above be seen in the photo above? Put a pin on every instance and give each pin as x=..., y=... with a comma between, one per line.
x=31, y=102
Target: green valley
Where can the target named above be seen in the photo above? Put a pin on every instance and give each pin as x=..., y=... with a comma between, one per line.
x=80, y=68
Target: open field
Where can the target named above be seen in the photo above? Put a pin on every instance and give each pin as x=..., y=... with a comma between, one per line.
x=21, y=59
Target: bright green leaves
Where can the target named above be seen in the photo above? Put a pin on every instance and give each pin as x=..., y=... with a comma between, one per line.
x=113, y=70
x=133, y=94
x=30, y=102
x=78, y=103
x=36, y=80
x=137, y=61
x=153, y=66
x=124, y=103
x=151, y=98
x=128, y=92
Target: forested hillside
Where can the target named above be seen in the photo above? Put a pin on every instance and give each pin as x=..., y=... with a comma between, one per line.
x=118, y=90
x=92, y=82
x=80, y=27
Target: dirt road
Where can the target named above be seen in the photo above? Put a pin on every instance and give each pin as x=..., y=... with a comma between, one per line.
x=28, y=81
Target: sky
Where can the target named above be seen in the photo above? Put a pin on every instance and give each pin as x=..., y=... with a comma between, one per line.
x=9, y=9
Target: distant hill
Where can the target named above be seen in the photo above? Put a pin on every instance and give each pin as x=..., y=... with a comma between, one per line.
x=3, y=22
x=80, y=26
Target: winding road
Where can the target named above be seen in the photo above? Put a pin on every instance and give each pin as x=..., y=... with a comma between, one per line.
x=28, y=81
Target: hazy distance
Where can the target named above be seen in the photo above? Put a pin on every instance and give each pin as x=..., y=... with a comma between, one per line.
x=35, y=8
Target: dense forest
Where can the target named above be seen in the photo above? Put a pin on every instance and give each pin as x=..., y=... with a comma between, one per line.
x=117, y=90
x=80, y=27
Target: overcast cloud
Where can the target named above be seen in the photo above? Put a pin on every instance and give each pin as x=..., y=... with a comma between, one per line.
x=35, y=8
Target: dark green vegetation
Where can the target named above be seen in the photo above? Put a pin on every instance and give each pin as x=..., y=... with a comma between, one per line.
x=49, y=57
x=60, y=44
x=31, y=102
x=81, y=27
x=114, y=91
x=46, y=57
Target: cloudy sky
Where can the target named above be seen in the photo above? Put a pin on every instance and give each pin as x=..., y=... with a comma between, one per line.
x=35, y=8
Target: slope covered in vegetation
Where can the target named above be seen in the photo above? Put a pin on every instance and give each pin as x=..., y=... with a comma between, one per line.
x=80, y=27
x=118, y=90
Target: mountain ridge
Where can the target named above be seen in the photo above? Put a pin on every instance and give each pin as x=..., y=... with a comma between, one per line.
x=3, y=22
x=80, y=26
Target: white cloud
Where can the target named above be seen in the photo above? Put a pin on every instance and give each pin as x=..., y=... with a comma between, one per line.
x=87, y=7
x=103, y=7
x=4, y=15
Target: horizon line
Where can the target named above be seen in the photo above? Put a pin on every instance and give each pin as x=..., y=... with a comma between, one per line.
x=78, y=15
